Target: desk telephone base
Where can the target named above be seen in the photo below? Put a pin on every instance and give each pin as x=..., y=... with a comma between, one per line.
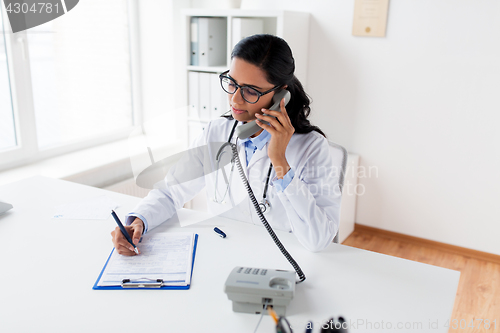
x=251, y=288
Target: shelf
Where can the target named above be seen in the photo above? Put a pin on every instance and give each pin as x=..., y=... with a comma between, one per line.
x=209, y=69
x=203, y=12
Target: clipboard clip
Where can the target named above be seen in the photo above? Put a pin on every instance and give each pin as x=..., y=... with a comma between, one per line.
x=150, y=283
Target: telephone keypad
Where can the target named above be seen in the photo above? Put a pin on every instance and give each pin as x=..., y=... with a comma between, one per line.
x=254, y=271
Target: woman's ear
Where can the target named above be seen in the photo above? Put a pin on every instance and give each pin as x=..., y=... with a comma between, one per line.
x=285, y=86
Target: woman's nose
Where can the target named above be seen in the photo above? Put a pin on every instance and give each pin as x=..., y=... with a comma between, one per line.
x=237, y=98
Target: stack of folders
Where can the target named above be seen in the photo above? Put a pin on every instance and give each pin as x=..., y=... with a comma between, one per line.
x=208, y=41
x=166, y=261
x=207, y=100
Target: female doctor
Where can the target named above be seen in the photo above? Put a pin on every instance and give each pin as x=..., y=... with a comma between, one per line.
x=287, y=162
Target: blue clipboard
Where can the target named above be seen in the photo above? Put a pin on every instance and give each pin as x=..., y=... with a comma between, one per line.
x=96, y=287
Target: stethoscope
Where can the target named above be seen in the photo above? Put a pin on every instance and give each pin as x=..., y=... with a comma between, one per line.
x=264, y=205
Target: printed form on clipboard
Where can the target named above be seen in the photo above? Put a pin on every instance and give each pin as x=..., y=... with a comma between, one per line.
x=166, y=261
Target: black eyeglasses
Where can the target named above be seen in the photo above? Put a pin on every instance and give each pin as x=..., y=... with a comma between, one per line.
x=249, y=94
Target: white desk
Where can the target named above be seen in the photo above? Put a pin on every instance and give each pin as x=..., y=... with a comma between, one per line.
x=48, y=268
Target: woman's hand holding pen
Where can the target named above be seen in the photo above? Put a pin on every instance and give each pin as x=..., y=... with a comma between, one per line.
x=281, y=130
x=120, y=242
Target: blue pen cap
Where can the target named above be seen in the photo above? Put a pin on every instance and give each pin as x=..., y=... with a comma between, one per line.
x=220, y=232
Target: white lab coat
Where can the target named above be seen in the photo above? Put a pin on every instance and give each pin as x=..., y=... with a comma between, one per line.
x=309, y=206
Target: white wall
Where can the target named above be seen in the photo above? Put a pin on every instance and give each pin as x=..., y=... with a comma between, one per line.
x=156, y=56
x=420, y=105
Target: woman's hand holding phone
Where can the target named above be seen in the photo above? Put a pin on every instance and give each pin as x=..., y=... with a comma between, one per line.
x=281, y=130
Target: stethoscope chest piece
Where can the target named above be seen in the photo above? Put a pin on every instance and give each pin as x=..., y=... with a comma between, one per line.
x=265, y=206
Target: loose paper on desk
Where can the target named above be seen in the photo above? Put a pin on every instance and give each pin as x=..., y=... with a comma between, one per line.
x=98, y=208
x=166, y=256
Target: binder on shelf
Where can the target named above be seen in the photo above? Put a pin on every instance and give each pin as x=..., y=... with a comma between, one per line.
x=194, y=41
x=244, y=27
x=204, y=95
x=218, y=98
x=207, y=100
x=121, y=272
x=193, y=90
x=212, y=41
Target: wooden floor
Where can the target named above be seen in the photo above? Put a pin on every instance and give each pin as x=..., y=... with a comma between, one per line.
x=478, y=294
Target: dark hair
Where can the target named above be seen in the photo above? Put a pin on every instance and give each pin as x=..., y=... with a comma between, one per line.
x=273, y=55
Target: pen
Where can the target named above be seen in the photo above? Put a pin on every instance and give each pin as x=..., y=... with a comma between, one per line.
x=124, y=232
x=220, y=232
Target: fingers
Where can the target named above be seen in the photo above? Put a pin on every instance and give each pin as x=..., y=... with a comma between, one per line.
x=267, y=117
x=280, y=120
x=268, y=128
x=275, y=124
x=137, y=233
x=278, y=114
x=121, y=244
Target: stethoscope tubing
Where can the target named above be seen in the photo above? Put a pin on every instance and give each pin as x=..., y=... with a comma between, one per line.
x=265, y=205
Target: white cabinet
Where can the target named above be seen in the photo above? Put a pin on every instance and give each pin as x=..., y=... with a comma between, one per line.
x=350, y=192
x=204, y=40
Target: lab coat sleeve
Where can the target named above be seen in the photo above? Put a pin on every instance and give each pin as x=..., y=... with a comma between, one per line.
x=281, y=184
x=312, y=199
x=176, y=189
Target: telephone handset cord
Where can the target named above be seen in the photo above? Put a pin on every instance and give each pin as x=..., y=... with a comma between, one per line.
x=270, y=230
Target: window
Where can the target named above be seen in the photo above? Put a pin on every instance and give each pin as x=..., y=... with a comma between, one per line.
x=7, y=128
x=71, y=83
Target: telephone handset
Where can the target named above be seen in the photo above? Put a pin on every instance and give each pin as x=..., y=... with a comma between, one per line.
x=248, y=129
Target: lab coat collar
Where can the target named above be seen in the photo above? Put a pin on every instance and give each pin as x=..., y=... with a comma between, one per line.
x=260, y=141
x=259, y=154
